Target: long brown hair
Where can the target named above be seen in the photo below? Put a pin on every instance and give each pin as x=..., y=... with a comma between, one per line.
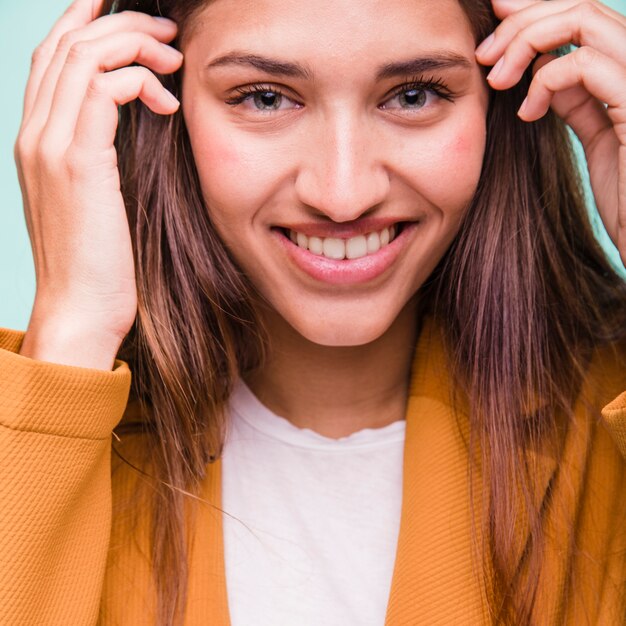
x=523, y=297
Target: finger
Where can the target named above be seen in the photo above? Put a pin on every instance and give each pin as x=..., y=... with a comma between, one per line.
x=494, y=46
x=77, y=15
x=533, y=9
x=88, y=58
x=584, y=113
x=162, y=29
x=105, y=93
x=582, y=27
x=601, y=76
x=605, y=80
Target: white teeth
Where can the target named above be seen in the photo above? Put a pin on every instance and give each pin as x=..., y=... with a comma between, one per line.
x=316, y=245
x=356, y=247
x=339, y=249
x=384, y=237
x=373, y=243
x=303, y=241
x=334, y=248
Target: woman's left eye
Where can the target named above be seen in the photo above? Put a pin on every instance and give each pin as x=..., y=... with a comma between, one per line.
x=416, y=97
x=410, y=99
x=263, y=99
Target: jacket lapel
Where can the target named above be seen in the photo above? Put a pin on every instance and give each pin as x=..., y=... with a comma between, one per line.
x=208, y=601
x=433, y=580
x=439, y=574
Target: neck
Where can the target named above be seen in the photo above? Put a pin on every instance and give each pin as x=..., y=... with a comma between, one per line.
x=336, y=391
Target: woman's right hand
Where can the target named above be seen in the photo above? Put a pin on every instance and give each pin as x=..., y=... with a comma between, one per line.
x=85, y=300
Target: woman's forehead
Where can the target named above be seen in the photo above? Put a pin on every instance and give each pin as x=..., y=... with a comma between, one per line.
x=336, y=32
x=333, y=23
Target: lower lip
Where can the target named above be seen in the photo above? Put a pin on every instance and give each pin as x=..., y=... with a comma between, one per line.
x=347, y=271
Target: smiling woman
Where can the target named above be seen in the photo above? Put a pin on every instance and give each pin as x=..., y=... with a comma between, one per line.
x=377, y=353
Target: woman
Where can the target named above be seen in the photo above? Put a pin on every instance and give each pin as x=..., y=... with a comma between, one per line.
x=345, y=225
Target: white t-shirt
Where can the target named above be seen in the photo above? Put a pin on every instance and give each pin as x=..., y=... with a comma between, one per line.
x=311, y=523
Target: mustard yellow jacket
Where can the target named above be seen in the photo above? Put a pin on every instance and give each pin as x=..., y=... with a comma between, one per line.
x=66, y=560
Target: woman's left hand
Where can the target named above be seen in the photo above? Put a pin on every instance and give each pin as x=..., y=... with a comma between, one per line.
x=586, y=88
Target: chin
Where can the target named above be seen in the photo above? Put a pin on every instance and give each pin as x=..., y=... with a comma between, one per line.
x=342, y=330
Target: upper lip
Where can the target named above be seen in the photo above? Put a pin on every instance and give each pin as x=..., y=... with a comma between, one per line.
x=345, y=230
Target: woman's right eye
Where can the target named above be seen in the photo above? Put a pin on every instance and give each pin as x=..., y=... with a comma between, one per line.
x=262, y=99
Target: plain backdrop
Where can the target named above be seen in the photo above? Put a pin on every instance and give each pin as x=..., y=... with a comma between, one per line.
x=22, y=26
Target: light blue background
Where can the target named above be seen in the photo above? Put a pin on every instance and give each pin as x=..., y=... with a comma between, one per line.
x=22, y=26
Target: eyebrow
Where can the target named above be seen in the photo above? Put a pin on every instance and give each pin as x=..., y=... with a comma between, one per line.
x=421, y=65
x=270, y=66
x=418, y=65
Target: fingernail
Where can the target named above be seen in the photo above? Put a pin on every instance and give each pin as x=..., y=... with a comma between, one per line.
x=496, y=69
x=164, y=20
x=172, y=51
x=522, y=108
x=486, y=44
x=172, y=99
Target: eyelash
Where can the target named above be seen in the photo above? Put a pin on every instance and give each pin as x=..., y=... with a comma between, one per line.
x=435, y=85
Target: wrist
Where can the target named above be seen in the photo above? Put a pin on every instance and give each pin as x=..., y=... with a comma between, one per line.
x=68, y=341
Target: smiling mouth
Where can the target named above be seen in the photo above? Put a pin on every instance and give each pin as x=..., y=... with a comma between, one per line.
x=339, y=249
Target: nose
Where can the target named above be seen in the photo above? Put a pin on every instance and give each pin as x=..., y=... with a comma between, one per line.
x=342, y=173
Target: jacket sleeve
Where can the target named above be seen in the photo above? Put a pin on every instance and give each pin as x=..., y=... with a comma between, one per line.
x=55, y=485
x=614, y=415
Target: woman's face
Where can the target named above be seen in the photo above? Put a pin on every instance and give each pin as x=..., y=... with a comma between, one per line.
x=318, y=127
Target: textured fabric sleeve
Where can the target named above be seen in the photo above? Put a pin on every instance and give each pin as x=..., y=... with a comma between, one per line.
x=55, y=485
x=614, y=415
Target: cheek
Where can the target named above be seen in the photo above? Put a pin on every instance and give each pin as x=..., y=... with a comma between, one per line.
x=221, y=167
x=448, y=170
x=465, y=153
x=236, y=176
x=461, y=147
